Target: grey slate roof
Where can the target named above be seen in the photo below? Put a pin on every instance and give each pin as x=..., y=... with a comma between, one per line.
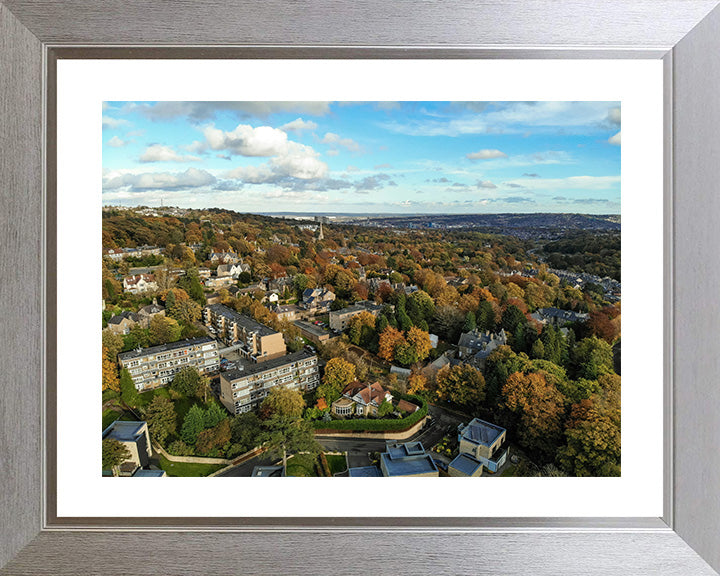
x=123, y=316
x=481, y=432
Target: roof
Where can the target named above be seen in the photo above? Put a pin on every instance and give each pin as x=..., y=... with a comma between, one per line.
x=311, y=328
x=481, y=432
x=165, y=347
x=251, y=368
x=124, y=431
x=367, y=392
x=149, y=473
x=465, y=464
x=478, y=340
x=343, y=402
x=247, y=323
x=126, y=315
x=365, y=306
x=130, y=280
x=407, y=459
x=151, y=309
x=406, y=406
x=364, y=472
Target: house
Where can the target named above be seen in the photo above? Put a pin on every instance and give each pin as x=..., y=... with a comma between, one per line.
x=213, y=298
x=267, y=472
x=406, y=460
x=232, y=270
x=339, y=319
x=271, y=297
x=116, y=254
x=136, y=438
x=288, y=312
x=156, y=366
x=146, y=313
x=361, y=399
x=557, y=317
x=244, y=389
x=280, y=284
x=254, y=341
x=476, y=346
x=139, y=283
x=405, y=406
x=123, y=322
x=375, y=283
x=204, y=273
x=223, y=257
x=317, y=299
x=216, y=282
x=485, y=442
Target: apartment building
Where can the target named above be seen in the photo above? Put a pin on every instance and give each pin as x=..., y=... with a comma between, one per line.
x=253, y=340
x=244, y=389
x=156, y=366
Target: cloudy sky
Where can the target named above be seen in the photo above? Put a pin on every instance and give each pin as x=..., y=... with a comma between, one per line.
x=364, y=157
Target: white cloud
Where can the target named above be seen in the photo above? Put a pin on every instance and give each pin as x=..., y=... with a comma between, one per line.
x=116, y=142
x=299, y=126
x=108, y=122
x=206, y=110
x=615, y=140
x=160, y=153
x=486, y=154
x=614, y=115
x=347, y=143
x=245, y=140
x=485, y=184
x=191, y=178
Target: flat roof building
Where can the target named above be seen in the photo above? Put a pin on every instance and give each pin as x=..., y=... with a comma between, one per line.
x=339, y=319
x=408, y=460
x=254, y=341
x=244, y=389
x=485, y=442
x=156, y=366
x=136, y=438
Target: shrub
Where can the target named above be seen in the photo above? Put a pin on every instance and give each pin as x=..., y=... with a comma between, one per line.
x=179, y=448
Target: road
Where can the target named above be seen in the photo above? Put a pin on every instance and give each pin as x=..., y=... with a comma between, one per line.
x=358, y=450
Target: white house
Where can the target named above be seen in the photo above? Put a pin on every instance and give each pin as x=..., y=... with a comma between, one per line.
x=139, y=283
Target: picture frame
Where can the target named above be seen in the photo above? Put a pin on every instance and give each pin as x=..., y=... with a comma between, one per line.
x=683, y=33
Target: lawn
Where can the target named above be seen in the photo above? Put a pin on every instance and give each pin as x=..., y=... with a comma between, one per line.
x=109, y=416
x=509, y=471
x=301, y=465
x=337, y=463
x=184, y=469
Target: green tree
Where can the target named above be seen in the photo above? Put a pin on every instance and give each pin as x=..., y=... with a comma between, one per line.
x=470, y=324
x=215, y=438
x=185, y=311
x=128, y=392
x=287, y=435
x=282, y=401
x=114, y=453
x=193, y=424
x=213, y=415
x=592, y=357
x=245, y=430
x=161, y=418
x=511, y=318
x=485, y=316
x=385, y=408
x=186, y=382
x=113, y=343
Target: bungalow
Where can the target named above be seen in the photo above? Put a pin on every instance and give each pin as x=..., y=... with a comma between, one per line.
x=361, y=399
x=140, y=283
x=485, y=442
x=123, y=322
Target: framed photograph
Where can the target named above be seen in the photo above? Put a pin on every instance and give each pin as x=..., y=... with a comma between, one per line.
x=360, y=252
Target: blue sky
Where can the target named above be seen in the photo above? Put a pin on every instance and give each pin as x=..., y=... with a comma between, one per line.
x=364, y=157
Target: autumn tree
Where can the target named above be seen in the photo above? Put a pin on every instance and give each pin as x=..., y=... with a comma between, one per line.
x=416, y=347
x=604, y=323
x=361, y=328
x=161, y=418
x=163, y=330
x=282, y=402
x=538, y=407
x=417, y=384
x=338, y=373
x=593, y=439
x=114, y=453
x=389, y=341
x=185, y=311
x=215, y=438
x=109, y=373
x=112, y=343
x=462, y=385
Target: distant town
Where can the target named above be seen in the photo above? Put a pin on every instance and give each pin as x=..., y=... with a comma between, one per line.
x=357, y=346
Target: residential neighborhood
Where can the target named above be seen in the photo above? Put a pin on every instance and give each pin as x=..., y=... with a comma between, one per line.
x=217, y=347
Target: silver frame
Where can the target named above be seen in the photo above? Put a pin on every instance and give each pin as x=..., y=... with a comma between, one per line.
x=684, y=33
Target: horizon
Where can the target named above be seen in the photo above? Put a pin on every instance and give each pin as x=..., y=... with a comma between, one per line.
x=365, y=157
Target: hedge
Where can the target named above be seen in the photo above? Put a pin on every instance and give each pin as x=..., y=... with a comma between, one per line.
x=378, y=425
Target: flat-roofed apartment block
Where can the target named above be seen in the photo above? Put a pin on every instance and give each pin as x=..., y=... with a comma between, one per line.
x=156, y=366
x=244, y=389
x=251, y=339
